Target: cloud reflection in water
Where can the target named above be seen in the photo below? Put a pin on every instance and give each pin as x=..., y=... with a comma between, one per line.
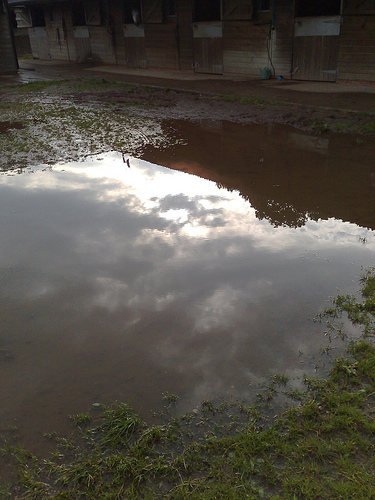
x=150, y=279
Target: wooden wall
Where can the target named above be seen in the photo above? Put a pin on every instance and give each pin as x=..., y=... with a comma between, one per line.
x=62, y=40
x=170, y=44
x=161, y=45
x=245, y=47
x=8, y=59
x=59, y=30
x=245, y=42
x=101, y=41
x=357, y=48
x=185, y=34
x=22, y=41
x=116, y=23
x=282, y=46
x=39, y=43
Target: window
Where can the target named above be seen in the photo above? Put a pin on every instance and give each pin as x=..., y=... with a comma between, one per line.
x=236, y=10
x=132, y=11
x=94, y=14
x=307, y=8
x=37, y=15
x=170, y=8
x=264, y=5
x=23, y=18
x=78, y=14
x=205, y=11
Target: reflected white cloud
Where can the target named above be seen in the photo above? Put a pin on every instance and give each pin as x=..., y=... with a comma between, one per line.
x=169, y=268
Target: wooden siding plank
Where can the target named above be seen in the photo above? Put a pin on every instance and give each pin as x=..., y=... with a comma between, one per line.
x=135, y=52
x=233, y=10
x=60, y=33
x=101, y=43
x=161, y=45
x=208, y=55
x=315, y=58
x=152, y=11
x=39, y=42
x=357, y=48
x=245, y=44
x=8, y=60
x=185, y=34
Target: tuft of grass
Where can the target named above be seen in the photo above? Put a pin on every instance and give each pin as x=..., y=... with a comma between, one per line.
x=251, y=100
x=243, y=100
x=320, y=127
x=81, y=419
x=38, y=86
x=119, y=424
x=170, y=398
x=360, y=312
x=230, y=98
x=368, y=127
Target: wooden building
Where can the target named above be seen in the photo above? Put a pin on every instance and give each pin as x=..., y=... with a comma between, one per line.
x=300, y=39
x=357, y=41
x=8, y=60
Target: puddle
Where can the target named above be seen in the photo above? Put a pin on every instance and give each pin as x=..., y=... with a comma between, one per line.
x=194, y=270
x=7, y=125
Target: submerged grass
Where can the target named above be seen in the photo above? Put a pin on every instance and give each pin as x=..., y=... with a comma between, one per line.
x=63, y=121
x=321, y=446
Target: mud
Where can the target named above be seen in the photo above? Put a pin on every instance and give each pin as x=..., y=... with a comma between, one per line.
x=6, y=126
x=175, y=104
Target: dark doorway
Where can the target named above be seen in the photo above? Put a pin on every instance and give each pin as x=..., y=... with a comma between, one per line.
x=206, y=11
x=313, y=8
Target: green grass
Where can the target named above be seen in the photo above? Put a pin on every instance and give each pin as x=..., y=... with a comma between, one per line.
x=72, y=125
x=37, y=86
x=244, y=100
x=321, y=446
x=320, y=127
x=76, y=84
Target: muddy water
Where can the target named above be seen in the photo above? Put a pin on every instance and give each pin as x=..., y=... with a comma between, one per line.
x=194, y=270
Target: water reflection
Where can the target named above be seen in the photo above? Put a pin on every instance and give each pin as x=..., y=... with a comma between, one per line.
x=122, y=282
x=288, y=176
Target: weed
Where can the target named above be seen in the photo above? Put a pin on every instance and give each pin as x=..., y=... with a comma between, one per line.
x=279, y=379
x=252, y=100
x=171, y=399
x=320, y=127
x=5, y=491
x=81, y=419
x=230, y=98
x=119, y=424
x=368, y=127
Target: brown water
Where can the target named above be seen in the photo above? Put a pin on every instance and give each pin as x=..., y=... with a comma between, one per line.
x=124, y=283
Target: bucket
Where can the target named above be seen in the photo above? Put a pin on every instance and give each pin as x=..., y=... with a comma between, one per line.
x=265, y=74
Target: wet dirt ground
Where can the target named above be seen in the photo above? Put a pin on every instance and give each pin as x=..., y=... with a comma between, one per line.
x=175, y=242
x=343, y=106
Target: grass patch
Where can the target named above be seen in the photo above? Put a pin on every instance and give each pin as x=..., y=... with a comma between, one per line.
x=67, y=124
x=320, y=127
x=243, y=100
x=254, y=101
x=368, y=127
x=37, y=86
x=322, y=446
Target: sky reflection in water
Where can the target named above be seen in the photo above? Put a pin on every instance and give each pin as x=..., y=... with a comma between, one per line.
x=124, y=283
